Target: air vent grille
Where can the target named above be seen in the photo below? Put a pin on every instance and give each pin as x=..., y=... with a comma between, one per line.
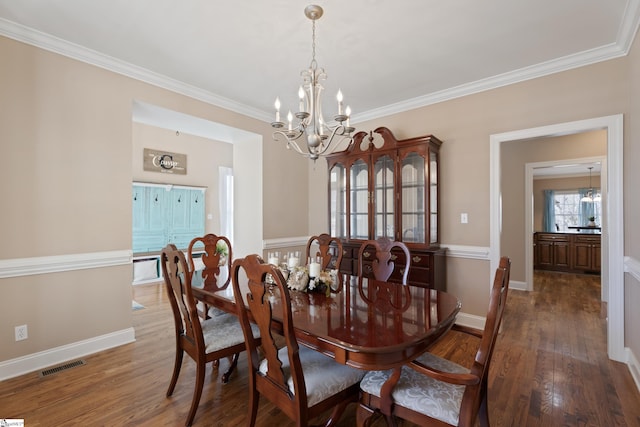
x=60, y=368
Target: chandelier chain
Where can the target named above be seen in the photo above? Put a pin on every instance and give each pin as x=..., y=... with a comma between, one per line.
x=314, y=64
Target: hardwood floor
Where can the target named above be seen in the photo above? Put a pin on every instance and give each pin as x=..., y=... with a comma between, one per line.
x=550, y=369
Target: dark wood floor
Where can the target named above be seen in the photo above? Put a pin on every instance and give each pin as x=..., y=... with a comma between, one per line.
x=550, y=369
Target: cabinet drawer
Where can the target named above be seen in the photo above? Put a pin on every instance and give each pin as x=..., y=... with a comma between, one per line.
x=581, y=238
x=550, y=237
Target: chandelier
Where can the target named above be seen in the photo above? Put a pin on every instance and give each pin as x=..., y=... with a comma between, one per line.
x=318, y=134
x=591, y=195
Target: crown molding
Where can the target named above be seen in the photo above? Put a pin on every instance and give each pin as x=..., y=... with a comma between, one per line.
x=626, y=35
x=569, y=62
x=57, y=45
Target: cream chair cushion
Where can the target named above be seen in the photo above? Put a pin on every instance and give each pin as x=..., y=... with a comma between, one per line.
x=421, y=393
x=323, y=376
x=223, y=331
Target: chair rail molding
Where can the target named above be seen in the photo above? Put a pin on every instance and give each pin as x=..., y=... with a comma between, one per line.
x=468, y=252
x=57, y=263
x=285, y=242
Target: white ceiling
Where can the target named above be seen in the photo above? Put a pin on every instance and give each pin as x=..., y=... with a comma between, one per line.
x=385, y=56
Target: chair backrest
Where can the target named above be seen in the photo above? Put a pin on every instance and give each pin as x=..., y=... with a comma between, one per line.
x=329, y=249
x=263, y=300
x=383, y=262
x=211, y=259
x=480, y=368
x=177, y=278
x=383, y=294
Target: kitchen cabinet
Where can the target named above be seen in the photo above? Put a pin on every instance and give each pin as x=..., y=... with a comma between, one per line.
x=570, y=252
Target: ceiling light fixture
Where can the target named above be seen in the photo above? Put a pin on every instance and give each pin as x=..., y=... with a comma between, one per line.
x=591, y=195
x=319, y=134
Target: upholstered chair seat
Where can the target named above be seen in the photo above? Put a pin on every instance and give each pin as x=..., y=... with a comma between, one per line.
x=423, y=394
x=323, y=377
x=223, y=330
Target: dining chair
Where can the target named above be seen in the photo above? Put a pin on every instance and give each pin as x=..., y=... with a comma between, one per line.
x=214, y=265
x=301, y=382
x=328, y=248
x=433, y=391
x=375, y=258
x=203, y=340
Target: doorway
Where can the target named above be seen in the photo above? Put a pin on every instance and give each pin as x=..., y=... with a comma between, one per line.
x=613, y=228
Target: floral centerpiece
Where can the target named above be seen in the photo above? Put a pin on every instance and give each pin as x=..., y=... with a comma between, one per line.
x=322, y=283
x=299, y=280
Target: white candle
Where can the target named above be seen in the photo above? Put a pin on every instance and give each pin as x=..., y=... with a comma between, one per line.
x=290, y=118
x=277, y=105
x=314, y=269
x=293, y=262
x=347, y=111
x=339, y=98
x=301, y=96
x=274, y=258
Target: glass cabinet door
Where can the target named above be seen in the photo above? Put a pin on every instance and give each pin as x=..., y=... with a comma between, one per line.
x=338, y=201
x=384, y=200
x=359, y=199
x=413, y=220
x=433, y=197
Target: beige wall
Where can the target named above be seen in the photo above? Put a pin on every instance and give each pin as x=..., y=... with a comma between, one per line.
x=514, y=157
x=562, y=183
x=66, y=129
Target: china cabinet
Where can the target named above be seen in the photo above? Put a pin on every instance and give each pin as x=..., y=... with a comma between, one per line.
x=383, y=187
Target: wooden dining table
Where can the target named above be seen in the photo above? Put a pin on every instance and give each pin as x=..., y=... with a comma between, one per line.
x=354, y=332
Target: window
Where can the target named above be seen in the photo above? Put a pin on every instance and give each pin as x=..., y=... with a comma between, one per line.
x=569, y=211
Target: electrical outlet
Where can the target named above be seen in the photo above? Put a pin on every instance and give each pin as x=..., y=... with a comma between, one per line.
x=21, y=333
x=464, y=218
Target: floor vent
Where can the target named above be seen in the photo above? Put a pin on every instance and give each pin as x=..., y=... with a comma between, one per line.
x=60, y=368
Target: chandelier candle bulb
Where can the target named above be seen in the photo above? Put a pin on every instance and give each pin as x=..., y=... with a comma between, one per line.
x=301, y=96
x=347, y=111
x=290, y=118
x=339, y=98
x=277, y=105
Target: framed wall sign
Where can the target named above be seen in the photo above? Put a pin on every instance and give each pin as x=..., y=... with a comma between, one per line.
x=164, y=162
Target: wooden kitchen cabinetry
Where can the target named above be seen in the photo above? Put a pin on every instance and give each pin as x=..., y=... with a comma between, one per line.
x=570, y=252
x=389, y=188
x=586, y=252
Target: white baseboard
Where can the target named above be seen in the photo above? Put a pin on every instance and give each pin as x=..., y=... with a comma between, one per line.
x=634, y=367
x=470, y=320
x=33, y=362
x=518, y=286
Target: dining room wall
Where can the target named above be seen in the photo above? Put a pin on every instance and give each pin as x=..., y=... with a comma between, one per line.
x=65, y=263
